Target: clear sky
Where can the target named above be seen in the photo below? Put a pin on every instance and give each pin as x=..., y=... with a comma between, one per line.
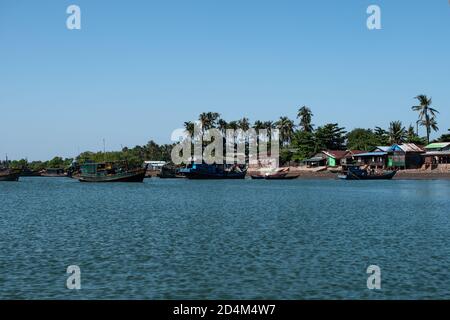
x=138, y=69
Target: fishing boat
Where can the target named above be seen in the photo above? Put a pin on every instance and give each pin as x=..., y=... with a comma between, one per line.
x=170, y=172
x=7, y=174
x=53, y=173
x=111, y=172
x=213, y=171
x=27, y=172
x=357, y=173
x=278, y=174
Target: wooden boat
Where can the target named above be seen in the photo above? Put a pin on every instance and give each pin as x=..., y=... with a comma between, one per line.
x=9, y=174
x=280, y=174
x=111, y=172
x=27, y=172
x=215, y=171
x=356, y=173
x=170, y=172
x=53, y=173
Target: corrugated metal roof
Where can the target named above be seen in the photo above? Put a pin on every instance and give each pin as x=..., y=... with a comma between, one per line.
x=437, y=153
x=371, y=154
x=337, y=154
x=411, y=147
x=383, y=148
x=438, y=145
x=314, y=159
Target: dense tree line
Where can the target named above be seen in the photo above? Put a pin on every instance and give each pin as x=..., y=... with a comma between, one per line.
x=302, y=140
x=297, y=141
x=134, y=156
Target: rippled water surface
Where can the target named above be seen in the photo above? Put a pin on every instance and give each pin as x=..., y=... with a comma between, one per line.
x=173, y=239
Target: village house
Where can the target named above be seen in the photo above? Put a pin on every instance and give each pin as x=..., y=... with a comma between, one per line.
x=377, y=158
x=331, y=158
x=405, y=156
x=437, y=155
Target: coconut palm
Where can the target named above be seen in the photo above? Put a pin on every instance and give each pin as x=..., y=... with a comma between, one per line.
x=305, y=116
x=429, y=123
x=269, y=126
x=426, y=114
x=222, y=125
x=208, y=120
x=397, y=133
x=233, y=125
x=258, y=125
x=244, y=124
x=189, y=127
x=286, y=127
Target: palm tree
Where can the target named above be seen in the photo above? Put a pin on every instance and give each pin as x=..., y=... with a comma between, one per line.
x=426, y=114
x=244, y=124
x=305, y=116
x=222, y=125
x=258, y=125
x=286, y=127
x=430, y=124
x=397, y=132
x=269, y=125
x=208, y=120
x=233, y=125
x=189, y=127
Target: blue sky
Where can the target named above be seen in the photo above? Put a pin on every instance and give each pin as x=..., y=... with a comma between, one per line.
x=138, y=69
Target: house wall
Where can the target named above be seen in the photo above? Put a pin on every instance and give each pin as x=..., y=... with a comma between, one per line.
x=331, y=162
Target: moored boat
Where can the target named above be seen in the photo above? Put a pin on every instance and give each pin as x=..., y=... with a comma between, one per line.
x=9, y=174
x=279, y=174
x=213, y=171
x=170, y=172
x=356, y=173
x=111, y=172
x=53, y=173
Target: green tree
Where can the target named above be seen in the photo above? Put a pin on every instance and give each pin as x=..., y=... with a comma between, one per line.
x=304, y=144
x=361, y=139
x=444, y=138
x=189, y=127
x=222, y=126
x=427, y=114
x=286, y=127
x=305, y=115
x=397, y=132
x=382, y=136
x=244, y=124
x=412, y=137
x=430, y=124
x=330, y=136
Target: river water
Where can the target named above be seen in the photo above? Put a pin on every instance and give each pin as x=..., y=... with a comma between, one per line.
x=253, y=239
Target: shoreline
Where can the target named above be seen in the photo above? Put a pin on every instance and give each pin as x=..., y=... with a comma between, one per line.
x=401, y=175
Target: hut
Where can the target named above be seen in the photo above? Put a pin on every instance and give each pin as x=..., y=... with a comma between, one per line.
x=437, y=154
x=334, y=157
x=405, y=156
x=318, y=160
x=377, y=158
